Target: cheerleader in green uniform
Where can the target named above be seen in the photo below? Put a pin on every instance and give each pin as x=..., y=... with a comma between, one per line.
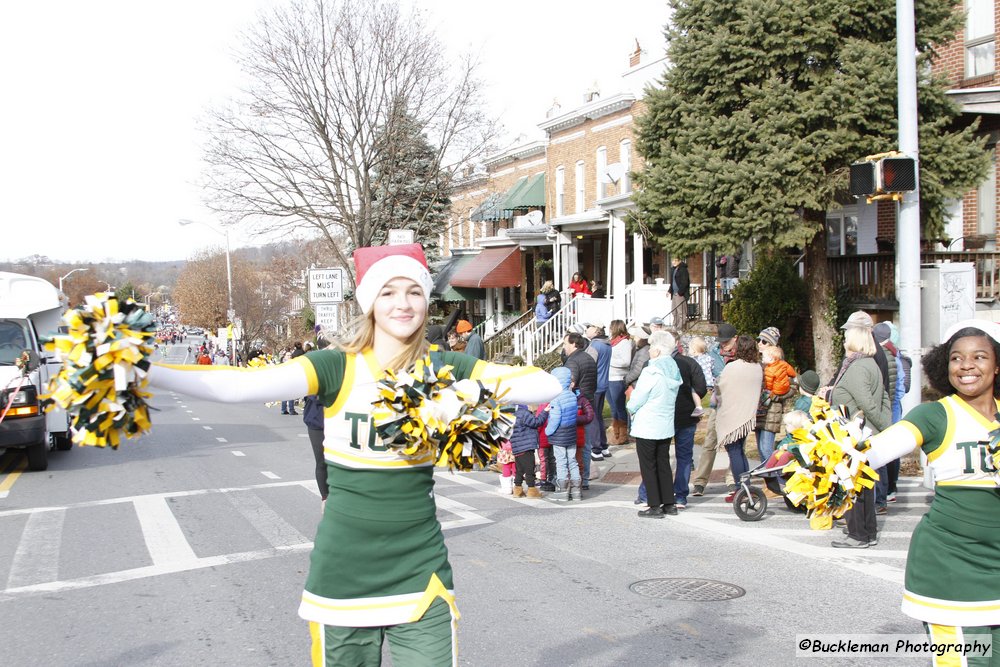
x=379, y=567
x=953, y=565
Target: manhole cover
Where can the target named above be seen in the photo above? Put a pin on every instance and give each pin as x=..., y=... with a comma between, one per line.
x=688, y=590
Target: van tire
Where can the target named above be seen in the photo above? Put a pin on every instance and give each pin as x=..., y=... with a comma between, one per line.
x=38, y=456
x=62, y=441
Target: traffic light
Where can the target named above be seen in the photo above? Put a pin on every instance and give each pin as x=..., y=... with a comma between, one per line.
x=883, y=175
x=864, y=178
x=899, y=174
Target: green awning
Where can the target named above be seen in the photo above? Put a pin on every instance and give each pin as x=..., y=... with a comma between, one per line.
x=512, y=195
x=531, y=194
x=489, y=210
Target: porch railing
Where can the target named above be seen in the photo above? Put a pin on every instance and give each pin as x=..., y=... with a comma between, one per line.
x=869, y=280
x=532, y=340
x=502, y=341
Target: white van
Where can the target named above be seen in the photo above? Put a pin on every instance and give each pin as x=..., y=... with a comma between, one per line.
x=30, y=309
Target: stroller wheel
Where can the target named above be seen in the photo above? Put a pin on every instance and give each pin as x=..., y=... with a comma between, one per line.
x=750, y=506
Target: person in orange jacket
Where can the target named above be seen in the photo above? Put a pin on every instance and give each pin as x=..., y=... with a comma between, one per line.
x=777, y=385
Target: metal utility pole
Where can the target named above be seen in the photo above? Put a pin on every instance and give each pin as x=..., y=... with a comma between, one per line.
x=908, y=211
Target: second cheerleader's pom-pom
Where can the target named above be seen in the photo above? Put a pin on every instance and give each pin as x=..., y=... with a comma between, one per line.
x=426, y=412
x=105, y=357
x=830, y=466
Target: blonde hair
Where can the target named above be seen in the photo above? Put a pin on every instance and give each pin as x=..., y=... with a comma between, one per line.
x=414, y=347
x=794, y=420
x=860, y=340
x=547, y=286
x=697, y=346
x=771, y=354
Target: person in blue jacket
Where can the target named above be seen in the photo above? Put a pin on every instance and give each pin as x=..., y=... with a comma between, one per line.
x=524, y=444
x=652, y=409
x=561, y=432
x=542, y=310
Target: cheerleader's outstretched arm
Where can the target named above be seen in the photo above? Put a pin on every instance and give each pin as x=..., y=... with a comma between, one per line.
x=895, y=442
x=230, y=384
x=523, y=384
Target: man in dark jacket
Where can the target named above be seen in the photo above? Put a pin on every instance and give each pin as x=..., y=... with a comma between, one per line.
x=680, y=285
x=685, y=424
x=584, y=378
x=600, y=350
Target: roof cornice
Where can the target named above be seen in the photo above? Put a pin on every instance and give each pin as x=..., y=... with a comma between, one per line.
x=590, y=111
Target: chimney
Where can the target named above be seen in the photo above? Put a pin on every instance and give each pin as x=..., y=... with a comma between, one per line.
x=635, y=56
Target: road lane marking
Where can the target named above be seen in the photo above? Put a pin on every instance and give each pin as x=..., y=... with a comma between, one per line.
x=147, y=571
x=238, y=453
x=267, y=522
x=269, y=474
x=20, y=464
x=469, y=516
x=224, y=440
x=196, y=419
x=189, y=411
x=37, y=557
x=165, y=540
x=207, y=428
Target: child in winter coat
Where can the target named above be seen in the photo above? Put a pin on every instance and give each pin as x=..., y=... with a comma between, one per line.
x=584, y=415
x=524, y=443
x=561, y=432
x=777, y=385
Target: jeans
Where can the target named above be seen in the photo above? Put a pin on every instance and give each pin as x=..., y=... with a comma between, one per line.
x=288, y=407
x=616, y=397
x=684, y=450
x=765, y=444
x=738, y=458
x=566, y=468
x=882, y=487
x=601, y=432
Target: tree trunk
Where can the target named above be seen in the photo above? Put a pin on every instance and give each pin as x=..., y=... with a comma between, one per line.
x=821, y=301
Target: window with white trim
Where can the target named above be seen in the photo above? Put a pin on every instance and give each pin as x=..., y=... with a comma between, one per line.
x=560, y=190
x=600, y=168
x=980, y=43
x=581, y=188
x=625, y=158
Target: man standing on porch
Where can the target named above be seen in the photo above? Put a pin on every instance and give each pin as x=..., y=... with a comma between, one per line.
x=680, y=284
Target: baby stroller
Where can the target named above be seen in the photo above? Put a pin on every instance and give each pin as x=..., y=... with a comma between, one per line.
x=750, y=503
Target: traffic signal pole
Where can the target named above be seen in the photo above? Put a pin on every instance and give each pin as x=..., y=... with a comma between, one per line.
x=908, y=211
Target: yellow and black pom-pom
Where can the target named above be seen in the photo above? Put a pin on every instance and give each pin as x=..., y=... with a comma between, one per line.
x=105, y=355
x=426, y=411
x=830, y=467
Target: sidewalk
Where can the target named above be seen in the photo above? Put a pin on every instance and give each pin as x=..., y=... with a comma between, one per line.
x=623, y=466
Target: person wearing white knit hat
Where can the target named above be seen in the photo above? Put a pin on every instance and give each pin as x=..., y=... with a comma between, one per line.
x=379, y=567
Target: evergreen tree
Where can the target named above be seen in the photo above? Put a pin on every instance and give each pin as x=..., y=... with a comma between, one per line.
x=410, y=188
x=765, y=105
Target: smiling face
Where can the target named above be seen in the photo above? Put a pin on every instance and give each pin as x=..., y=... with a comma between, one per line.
x=399, y=309
x=972, y=366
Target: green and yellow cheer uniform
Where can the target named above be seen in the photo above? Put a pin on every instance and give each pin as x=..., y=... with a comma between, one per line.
x=379, y=558
x=953, y=565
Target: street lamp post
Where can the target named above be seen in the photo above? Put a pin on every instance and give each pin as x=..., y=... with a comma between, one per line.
x=230, y=314
x=68, y=275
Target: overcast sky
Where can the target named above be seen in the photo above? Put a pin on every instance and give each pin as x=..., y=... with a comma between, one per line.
x=102, y=99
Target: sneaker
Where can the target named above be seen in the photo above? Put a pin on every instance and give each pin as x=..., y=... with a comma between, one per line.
x=699, y=490
x=547, y=486
x=651, y=513
x=873, y=542
x=881, y=510
x=293, y=412
x=681, y=505
x=638, y=501
x=730, y=496
x=585, y=486
x=596, y=456
x=670, y=510
x=849, y=543
x=891, y=497
x=606, y=453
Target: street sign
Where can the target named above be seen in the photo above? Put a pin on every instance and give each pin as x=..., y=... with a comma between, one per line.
x=326, y=286
x=326, y=316
x=400, y=236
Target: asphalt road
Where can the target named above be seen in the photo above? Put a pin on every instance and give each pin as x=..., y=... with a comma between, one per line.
x=190, y=547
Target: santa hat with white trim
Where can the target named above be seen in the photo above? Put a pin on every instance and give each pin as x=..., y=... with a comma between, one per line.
x=377, y=265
